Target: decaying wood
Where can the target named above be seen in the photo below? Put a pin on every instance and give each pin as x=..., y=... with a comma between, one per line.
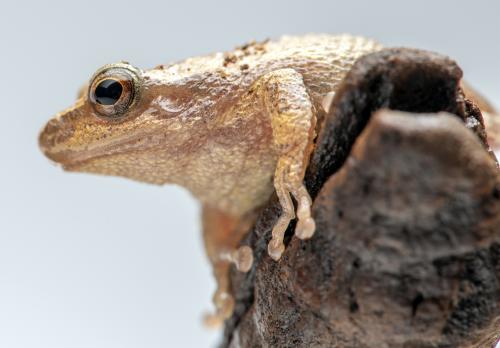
x=407, y=205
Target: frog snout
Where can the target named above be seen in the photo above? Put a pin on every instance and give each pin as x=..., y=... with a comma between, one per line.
x=53, y=137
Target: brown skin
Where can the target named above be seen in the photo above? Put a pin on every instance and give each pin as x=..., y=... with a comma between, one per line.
x=230, y=127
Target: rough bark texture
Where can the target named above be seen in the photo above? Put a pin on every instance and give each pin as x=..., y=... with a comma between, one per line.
x=407, y=205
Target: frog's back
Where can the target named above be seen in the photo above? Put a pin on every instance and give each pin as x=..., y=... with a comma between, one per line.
x=323, y=60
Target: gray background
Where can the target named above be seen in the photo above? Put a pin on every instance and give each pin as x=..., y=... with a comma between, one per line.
x=88, y=261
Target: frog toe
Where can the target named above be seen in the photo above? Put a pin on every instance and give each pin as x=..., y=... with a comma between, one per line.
x=305, y=228
x=243, y=258
x=224, y=307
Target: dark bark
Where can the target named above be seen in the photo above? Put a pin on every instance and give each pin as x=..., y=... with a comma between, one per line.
x=407, y=205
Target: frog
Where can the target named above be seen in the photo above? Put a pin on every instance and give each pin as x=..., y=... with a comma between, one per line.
x=231, y=127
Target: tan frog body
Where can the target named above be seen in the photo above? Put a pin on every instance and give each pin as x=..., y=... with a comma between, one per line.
x=230, y=127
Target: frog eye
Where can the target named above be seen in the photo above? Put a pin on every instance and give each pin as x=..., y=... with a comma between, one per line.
x=108, y=92
x=114, y=89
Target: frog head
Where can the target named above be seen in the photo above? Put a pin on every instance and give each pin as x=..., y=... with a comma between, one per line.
x=142, y=125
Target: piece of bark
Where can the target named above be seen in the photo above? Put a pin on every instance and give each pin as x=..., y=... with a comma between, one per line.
x=398, y=79
x=407, y=248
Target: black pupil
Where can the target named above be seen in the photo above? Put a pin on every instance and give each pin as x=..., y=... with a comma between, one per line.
x=108, y=92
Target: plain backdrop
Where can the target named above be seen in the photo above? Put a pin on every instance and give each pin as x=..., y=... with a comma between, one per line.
x=89, y=261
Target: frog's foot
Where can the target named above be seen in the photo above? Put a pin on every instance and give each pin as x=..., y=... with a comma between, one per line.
x=305, y=225
x=223, y=301
x=242, y=258
x=285, y=185
x=224, y=307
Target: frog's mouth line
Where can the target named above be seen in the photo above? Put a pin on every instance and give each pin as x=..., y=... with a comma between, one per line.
x=71, y=160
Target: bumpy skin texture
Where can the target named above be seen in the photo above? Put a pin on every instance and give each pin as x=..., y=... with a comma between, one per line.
x=228, y=127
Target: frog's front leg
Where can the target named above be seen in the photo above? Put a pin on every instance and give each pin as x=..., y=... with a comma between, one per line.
x=222, y=234
x=293, y=122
